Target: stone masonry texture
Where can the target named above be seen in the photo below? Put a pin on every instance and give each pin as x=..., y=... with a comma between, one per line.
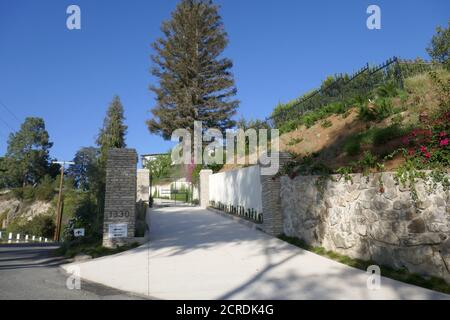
x=371, y=218
x=271, y=201
x=143, y=185
x=120, y=196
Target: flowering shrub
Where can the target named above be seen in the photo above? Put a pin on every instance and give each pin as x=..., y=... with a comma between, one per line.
x=430, y=144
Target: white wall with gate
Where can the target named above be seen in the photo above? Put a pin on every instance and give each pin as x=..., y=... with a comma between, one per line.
x=241, y=187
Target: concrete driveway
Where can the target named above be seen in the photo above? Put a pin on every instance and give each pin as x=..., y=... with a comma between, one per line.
x=197, y=254
x=30, y=271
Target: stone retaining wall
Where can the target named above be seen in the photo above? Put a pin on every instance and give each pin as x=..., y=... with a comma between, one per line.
x=369, y=220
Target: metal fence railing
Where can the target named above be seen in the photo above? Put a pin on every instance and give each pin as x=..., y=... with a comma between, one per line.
x=345, y=88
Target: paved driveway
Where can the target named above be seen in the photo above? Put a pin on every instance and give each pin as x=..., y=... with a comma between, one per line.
x=31, y=271
x=197, y=254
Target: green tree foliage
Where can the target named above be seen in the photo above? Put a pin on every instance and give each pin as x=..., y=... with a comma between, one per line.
x=45, y=191
x=253, y=124
x=195, y=82
x=27, y=157
x=3, y=173
x=439, y=48
x=40, y=226
x=112, y=134
x=85, y=168
x=160, y=167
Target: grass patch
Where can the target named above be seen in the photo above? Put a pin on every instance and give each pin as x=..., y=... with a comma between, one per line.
x=294, y=141
x=382, y=136
x=380, y=109
x=311, y=117
x=403, y=275
x=326, y=124
x=352, y=145
x=373, y=137
x=89, y=247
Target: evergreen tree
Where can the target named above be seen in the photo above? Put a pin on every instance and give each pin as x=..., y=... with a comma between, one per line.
x=84, y=169
x=3, y=173
x=439, y=49
x=27, y=158
x=112, y=134
x=195, y=82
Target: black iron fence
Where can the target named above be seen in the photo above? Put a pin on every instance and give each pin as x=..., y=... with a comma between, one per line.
x=346, y=89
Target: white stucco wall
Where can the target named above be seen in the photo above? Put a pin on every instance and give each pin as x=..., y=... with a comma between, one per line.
x=240, y=187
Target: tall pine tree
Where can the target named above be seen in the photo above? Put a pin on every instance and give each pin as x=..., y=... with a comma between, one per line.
x=195, y=82
x=112, y=134
x=27, y=158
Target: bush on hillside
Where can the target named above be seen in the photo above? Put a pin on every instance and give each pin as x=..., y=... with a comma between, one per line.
x=379, y=109
x=41, y=226
x=45, y=191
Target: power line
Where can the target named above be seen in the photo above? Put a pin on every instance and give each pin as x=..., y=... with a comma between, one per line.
x=7, y=124
x=9, y=111
x=2, y=133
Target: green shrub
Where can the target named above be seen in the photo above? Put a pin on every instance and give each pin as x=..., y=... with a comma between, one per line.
x=80, y=211
x=380, y=109
x=387, y=90
x=294, y=141
x=28, y=193
x=310, y=119
x=41, y=226
x=384, y=108
x=91, y=246
x=352, y=146
x=45, y=191
x=381, y=136
x=336, y=108
x=326, y=124
x=367, y=162
x=365, y=113
x=18, y=193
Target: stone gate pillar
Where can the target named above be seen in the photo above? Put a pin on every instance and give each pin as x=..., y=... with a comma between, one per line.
x=271, y=200
x=204, y=187
x=143, y=185
x=120, y=197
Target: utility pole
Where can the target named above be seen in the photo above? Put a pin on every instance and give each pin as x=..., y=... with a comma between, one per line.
x=59, y=204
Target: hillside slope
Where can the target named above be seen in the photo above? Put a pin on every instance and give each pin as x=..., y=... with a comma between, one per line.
x=345, y=138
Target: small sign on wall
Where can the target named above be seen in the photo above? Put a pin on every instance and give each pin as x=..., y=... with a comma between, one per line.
x=119, y=230
x=78, y=232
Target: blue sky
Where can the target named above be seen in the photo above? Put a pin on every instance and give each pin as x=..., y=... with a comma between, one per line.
x=280, y=50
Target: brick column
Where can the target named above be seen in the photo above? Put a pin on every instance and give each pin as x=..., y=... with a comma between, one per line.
x=120, y=197
x=204, y=187
x=271, y=200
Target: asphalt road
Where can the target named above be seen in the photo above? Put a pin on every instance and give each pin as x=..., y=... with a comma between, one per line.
x=30, y=271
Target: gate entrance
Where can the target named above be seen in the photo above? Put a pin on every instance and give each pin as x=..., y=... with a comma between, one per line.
x=174, y=192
